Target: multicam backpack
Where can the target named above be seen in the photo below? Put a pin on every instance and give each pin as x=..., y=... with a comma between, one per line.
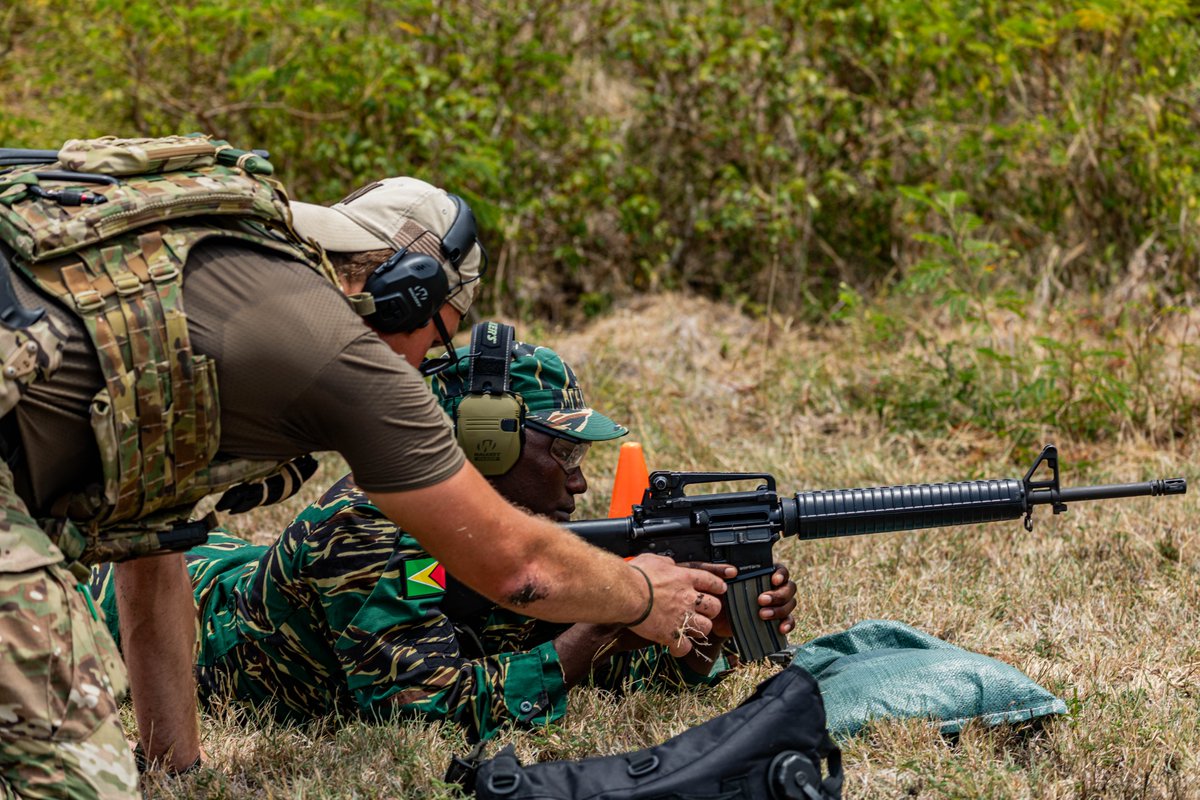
x=106, y=225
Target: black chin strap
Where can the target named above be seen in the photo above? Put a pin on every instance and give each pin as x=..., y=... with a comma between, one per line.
x=432, y=366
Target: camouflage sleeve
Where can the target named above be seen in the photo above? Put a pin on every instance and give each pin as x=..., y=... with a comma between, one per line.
x=103, y=590
x=502, y=631
x=652, y=668
x=205, y=564
x=380, y=592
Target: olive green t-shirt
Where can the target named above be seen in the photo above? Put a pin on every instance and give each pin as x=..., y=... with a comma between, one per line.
x=298, y=372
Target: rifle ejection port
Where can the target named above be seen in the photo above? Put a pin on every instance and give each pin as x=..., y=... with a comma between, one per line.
x=719, y=538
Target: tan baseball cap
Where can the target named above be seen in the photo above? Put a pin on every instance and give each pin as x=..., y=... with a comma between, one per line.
x=392, y=213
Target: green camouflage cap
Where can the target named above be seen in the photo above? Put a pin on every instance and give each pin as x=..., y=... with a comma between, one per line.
x=546, y=385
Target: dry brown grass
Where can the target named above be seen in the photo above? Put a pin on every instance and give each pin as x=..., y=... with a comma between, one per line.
x=1099, y=605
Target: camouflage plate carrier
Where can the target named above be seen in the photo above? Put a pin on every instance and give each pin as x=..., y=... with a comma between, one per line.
x=106, y=229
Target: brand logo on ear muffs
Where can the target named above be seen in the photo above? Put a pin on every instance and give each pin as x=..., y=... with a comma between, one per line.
x=487, y=450
x=419, y=295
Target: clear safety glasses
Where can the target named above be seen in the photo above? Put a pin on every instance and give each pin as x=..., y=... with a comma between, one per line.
x=568, y=453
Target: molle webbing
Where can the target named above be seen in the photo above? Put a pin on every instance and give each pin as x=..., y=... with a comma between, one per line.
x=157, y=418
x=119, y=265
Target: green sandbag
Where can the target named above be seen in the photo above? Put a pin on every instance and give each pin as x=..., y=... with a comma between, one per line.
x=880, y=669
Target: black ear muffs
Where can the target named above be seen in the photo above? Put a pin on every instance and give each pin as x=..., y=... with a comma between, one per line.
x=490, y=420
x=410, y=287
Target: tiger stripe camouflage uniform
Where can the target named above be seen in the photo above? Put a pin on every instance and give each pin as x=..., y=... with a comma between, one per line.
x=60, y=674
x=343, y=613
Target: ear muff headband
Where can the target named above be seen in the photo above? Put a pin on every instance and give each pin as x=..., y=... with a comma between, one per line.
x=489, y=420
x=410, y=287
x=463, y=233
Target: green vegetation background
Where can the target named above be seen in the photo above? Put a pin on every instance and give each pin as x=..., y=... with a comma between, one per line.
x=854, y=163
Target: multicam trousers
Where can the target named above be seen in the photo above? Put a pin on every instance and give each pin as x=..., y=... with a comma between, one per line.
x=60, y=674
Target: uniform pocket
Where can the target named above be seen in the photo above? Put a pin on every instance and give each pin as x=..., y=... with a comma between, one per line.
x=91, y=673
x=208, y=407
x=35, y=654
x=59, y=668
x=114, y=418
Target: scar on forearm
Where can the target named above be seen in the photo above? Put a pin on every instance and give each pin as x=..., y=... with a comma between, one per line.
x=529, y=593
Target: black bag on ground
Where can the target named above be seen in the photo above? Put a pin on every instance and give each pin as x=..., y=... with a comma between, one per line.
x=771, y=747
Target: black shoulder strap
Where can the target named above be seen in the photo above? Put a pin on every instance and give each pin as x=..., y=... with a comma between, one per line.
x=13, y=156
x=463, y=769
x=828, y=750
x=491, y=357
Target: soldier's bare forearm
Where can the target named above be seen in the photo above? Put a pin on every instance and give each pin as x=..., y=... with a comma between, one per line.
x=530, y=565
x=581, y=646
x=520, y=561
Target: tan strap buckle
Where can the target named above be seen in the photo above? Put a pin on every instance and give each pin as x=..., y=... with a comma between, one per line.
x=163, y=272
x=89, y=301
x=363, y=303
x=127, y=283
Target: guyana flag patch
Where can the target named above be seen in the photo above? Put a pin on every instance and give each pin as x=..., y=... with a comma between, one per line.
x=423, y=577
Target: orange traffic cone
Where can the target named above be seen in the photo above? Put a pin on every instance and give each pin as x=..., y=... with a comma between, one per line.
x=631, y=481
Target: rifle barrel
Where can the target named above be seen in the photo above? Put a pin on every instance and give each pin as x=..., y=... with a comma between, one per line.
x=884, y=509
x=12, y=156
x=1114, y=490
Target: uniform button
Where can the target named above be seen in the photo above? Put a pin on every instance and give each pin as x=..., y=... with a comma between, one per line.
x=526, y=706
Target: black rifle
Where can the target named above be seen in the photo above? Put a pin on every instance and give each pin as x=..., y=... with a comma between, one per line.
x=740, y=528
x=13, y=156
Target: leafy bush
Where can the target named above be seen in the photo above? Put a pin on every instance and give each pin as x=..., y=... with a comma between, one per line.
x=751, y=151
x=955, y=346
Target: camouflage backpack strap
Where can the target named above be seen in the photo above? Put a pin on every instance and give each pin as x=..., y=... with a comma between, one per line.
x=112, y=246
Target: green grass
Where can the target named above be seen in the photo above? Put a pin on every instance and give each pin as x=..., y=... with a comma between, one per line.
x=1100, y=605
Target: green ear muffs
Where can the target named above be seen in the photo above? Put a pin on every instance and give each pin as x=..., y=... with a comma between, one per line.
x=489, y=419
x=489, y=431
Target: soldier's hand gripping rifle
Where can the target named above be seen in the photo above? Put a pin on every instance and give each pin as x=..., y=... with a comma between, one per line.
x=740, y=528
